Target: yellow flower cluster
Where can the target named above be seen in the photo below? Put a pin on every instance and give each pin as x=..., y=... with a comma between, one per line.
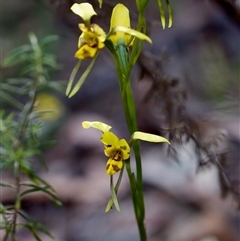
x=93, y=37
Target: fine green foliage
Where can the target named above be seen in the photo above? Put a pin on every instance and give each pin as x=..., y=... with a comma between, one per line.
x=21, y=129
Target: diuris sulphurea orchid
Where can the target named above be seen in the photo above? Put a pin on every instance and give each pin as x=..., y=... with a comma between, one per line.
x=92, y=37
x=118, y=149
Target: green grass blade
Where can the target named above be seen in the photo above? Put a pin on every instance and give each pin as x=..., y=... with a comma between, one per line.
x=162, y=14
x=83, y=77
x=170, y=12
x=114, y=196
x=72, y=77
x=110, y=201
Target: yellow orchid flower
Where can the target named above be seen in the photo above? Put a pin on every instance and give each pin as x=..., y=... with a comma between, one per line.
x=92, y=37
x=120, y=27
x=118, y=149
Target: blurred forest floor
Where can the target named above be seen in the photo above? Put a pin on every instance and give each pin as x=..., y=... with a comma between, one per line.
x=186, y=87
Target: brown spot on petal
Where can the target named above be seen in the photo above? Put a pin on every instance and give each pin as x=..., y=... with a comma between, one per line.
x=115, y=168
x=107, y=167
x=86, y=53
x=123, y=148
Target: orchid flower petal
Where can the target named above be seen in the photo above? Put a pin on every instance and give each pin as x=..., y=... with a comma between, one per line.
x=113, y=166
x=138, y=135
x=84, y=10
x=123, y=145
x=97, y=125
x=120, y=17
x=109, y=139
x=132, y=32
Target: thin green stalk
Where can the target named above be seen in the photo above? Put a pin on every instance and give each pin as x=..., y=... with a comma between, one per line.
x=123, y=67
x=136, y=184
x=138, y=44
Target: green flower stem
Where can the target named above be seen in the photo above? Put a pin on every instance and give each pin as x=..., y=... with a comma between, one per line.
x=136, y=183
x=124, y=64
